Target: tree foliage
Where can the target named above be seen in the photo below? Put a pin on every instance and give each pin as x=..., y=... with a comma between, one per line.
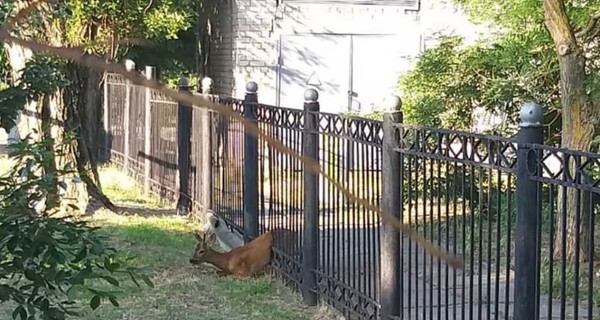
x=46, y=260
x=111, y=27
x=498, y=73
x=547, y=51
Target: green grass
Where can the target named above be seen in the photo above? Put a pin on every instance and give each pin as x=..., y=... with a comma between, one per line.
x=183, y=291
x=162, y=246
x=123, y=189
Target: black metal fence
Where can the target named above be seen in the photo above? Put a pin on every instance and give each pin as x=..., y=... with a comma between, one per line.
x=520, y=214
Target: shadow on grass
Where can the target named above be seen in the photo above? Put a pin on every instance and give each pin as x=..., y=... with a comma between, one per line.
x=146, y=212
x=182, y=291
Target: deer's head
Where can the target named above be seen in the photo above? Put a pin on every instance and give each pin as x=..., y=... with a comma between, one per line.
x=202, y=247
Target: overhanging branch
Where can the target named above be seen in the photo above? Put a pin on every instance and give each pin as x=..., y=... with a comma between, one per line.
x=587, y=31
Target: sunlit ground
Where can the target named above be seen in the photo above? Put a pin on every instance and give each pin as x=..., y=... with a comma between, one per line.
x=164, y=244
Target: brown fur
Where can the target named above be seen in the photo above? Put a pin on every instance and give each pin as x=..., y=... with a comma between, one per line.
x=245, y=261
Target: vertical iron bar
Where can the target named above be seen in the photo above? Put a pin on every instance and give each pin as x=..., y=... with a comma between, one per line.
x=463, y=187
x=498, y=236
x=551, y=250
x=184, y=125
x=509, y=242
x=578, y=200
x=530, y=131
x=250, y=178
x=591, y=257
x=310, y=255
x=454, y=230
x=488, y=216
x=409, y=185
x=439, y=233
x=392, y=204
x=538, y=250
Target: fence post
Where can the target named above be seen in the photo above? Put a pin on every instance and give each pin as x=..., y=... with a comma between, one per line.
x=530, y=131
x=250, y=166
x=206, y=149
x=130, y=66
x=184, y=125
x=105, y=119
x=149, y=73
x=310, y=246
x=392, y=203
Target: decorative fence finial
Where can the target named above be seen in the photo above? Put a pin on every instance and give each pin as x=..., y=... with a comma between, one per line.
x=129, y=64
x=531, y=115
x=311, y=95
x=206, y=84
x=184, y=82
x=392, y=103
x=251, y=87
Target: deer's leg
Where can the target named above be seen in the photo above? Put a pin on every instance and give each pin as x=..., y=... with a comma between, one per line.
x=222, y=273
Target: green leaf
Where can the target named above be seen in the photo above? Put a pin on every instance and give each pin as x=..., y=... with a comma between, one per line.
x=113, y=301
x=95, y=302
x=147, y=280
x=19, y=312
x=111, y=280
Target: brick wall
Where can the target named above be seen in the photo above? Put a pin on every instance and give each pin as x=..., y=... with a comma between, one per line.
x=245, y=34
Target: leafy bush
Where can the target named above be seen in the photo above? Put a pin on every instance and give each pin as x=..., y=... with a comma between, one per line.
x=46, y=259
x=451, y=80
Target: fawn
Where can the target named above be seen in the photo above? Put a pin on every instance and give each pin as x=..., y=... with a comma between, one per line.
x=245, y=261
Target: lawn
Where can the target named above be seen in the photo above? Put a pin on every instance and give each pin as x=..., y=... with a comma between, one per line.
x=163, y=245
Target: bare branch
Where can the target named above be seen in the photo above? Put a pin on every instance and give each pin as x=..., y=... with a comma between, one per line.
x=587, y=31
x=198, y=101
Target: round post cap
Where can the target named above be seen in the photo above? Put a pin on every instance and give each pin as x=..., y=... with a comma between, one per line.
x=311, y=95
x=207, y=82
x=251, y=87
x=392, y=103
x=129, y=64
x=184, y=82
x=531, y=114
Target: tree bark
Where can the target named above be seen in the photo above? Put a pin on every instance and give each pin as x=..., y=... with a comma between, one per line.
x=25, y=122
x=73, y=108
x=579, y=122
x=203, y=38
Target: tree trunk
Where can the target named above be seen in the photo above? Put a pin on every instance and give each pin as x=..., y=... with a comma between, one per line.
x=74, y=108
x=580, y=121
x=203, y=38
x=26, y=123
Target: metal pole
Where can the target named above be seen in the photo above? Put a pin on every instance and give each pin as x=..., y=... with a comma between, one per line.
x=310, y=247
x=250, y=166
x=184, y=125
x=392, y=203
x=530, y=132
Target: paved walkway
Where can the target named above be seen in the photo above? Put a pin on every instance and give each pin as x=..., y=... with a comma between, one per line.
x=431, y=290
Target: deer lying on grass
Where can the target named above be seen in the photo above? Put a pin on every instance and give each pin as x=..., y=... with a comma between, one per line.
x=245, y=261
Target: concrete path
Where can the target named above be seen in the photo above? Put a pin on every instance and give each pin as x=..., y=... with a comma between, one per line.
x=431, y=290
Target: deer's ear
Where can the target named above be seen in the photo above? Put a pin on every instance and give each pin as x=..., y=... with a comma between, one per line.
x=212, y=237
x=199, y=238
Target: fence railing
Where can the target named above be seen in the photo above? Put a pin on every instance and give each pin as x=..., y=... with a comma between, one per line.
x=520, y=214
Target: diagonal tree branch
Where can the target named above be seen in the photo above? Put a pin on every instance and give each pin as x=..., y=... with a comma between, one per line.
x=198, y=101
x=587, y=31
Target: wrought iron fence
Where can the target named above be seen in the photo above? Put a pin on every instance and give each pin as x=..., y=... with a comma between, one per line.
x=520, y=214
